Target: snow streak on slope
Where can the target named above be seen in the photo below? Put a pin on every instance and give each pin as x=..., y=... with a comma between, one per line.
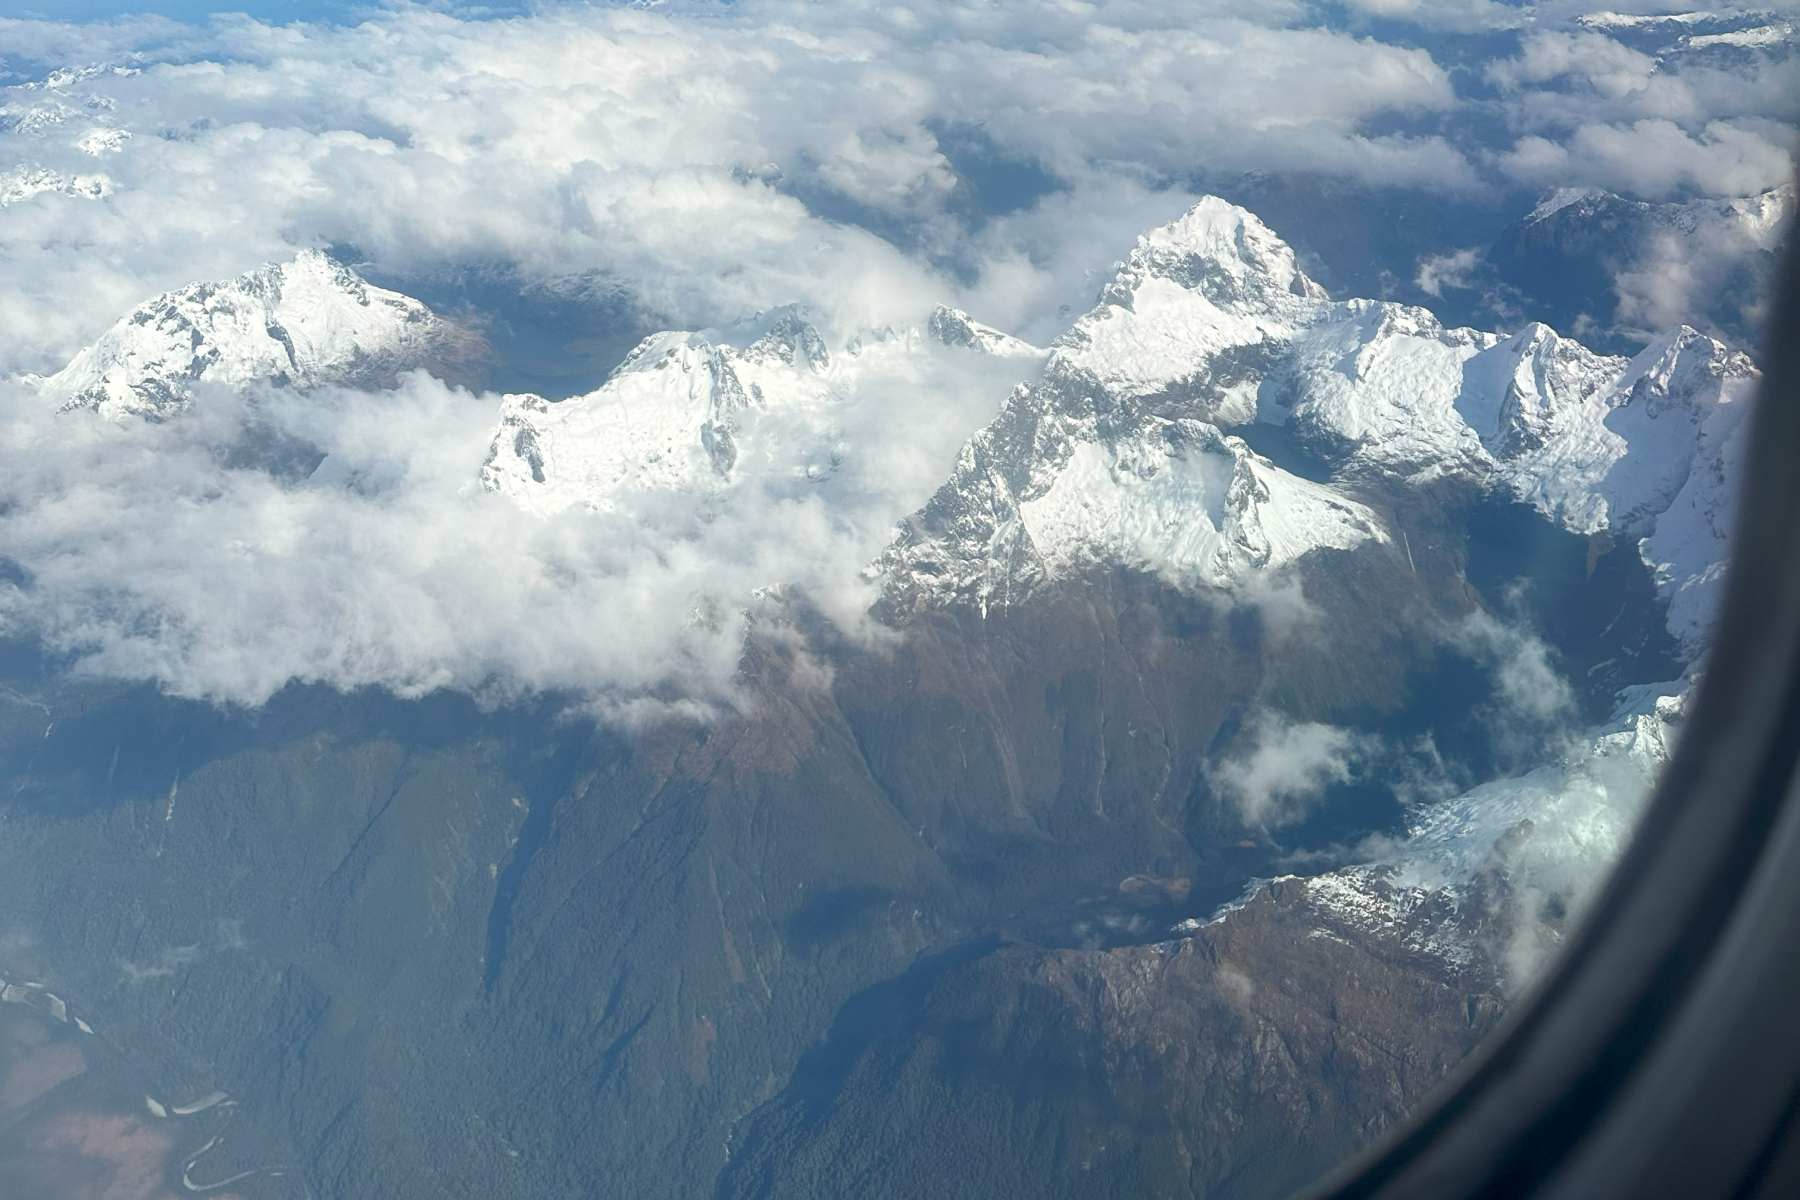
x=303, y=323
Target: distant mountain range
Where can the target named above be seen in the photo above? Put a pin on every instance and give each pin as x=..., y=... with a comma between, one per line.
x=1589, y=259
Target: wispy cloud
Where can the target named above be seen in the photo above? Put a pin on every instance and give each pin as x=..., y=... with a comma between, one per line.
x=1280, y=769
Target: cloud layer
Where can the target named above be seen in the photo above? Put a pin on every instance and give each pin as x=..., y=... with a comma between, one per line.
x=714, y=160
x=339, y=536
x=703, y=161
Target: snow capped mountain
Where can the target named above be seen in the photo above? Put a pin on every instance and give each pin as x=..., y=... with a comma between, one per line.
x=102, y=140
x=40, y=107
x=1135, y=448
x=1190, y=308
x=1619, y=20
x=1620, y=269
x=1070, y=476
x=1118, y=453
x=954, y=327
x=1775, y=35
x=303, y=323
x=692, y=412
x=1597, y=443
x=1123, y=452
x=1678, y=35
x=1688, y=540
x=1130, y=443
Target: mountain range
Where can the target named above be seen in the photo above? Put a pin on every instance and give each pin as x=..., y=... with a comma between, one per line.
x=967, y=918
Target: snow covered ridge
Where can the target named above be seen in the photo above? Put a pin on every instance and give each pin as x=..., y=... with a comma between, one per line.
x=303, y=323
x=1118, y=454
x=694, y=412
x=1698, y=30
x=1618, y=20
x=1776, y=34
x=39, y=108
x=1068, y=477
x=1122, y=452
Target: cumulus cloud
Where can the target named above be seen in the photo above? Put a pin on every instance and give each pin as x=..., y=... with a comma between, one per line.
x=1279, y=600
x=1657, y=158
x=1453, y=270
x=1653, y=118
x=1607, y=66
x=1280, y=769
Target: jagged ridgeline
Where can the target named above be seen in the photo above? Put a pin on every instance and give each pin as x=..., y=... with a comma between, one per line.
x=995, y=904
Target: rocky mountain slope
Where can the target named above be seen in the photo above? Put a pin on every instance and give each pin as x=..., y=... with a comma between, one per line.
x=1464, y=904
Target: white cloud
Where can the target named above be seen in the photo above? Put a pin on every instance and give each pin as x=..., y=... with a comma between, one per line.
x=1280, y=769
x=1610, y=68
x=637, y=144
x=1453, y=270
x=706, y=161
x=1712, y=263
x=1528, y=687
x=1650, y=121
x=164, y=552
x=1656, y=158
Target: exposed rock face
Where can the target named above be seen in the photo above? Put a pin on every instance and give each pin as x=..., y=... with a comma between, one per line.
x=1240, y=1062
